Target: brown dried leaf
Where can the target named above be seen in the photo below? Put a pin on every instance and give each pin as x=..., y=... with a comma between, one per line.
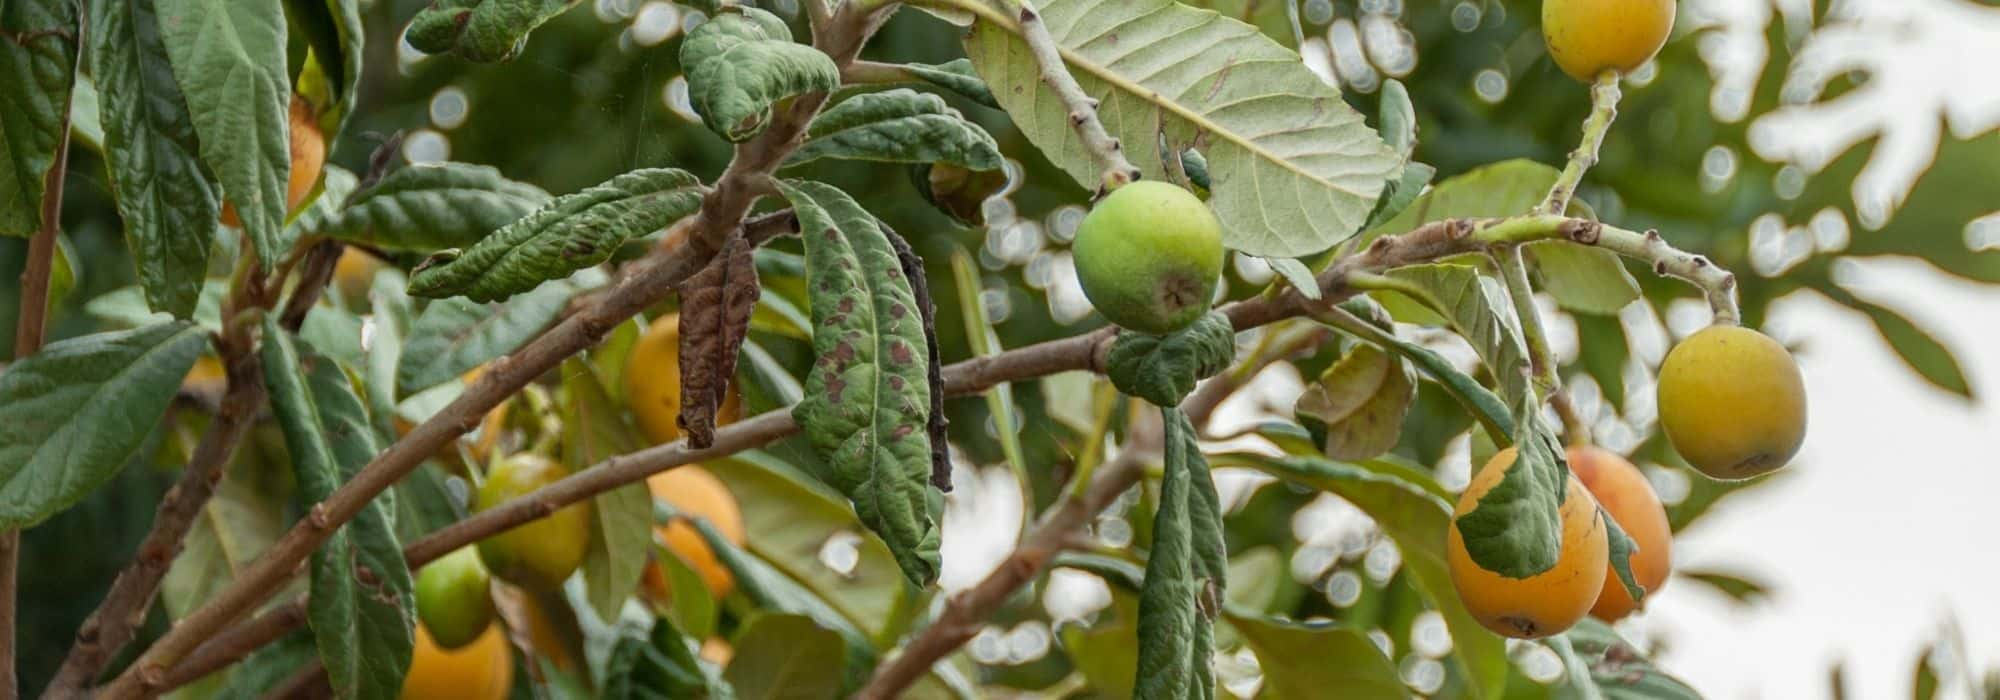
x=913, y=268
x=715, y=317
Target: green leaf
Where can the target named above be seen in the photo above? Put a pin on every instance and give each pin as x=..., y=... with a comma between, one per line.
x=75, y=412
x=661, y=666
x=483, y=31
x=1742, y=589
x=769, y=589
x=1396, y=118
x=1106, y=652
x=571, y=233
x=1414, y=516
x=1296, y=274
x=1475, y=314
x=621, y=531
x=955, y=75
x=335, y=188
x=1360, y=400
x=898, y=126
x=452, y=336
x=38, y=55
x=742, y=62
x=1621, y=549
x=239, y=522
x=336, y=333
x=791, y=517
x=333, y=30
x=1399, y=194
x=1501, y=189
x=1164, y=369
x=1294, y=170
x=390, y=327
x=784, y=656
x=1583, y=278
x=1309, y=659
x=868, y=394
x=1917, y=347
x=432, y=206
x=363, y=607
x=1516, y=529
x=126, y=307
x=166, y=196
x=229, y=58
x=985, y=342
x=1603, y=357
x=1491, y=412
x=697, y=613
x=1171, y=666
x=1619, y=670
x=267, y=669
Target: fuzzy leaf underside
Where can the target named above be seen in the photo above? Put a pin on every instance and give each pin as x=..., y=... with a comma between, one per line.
x=716, y=305
x=1164, y=369
x=742, y=62
x=430, y=207
x=1293, y=169
x=483, y=31
x=867, y=397
x=568, y=234
x=898, y=126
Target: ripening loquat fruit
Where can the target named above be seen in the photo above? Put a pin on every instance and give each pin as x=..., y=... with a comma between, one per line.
x=1588, y=37
x=1733, y=402
x=1629, y=499
x=1543, y=604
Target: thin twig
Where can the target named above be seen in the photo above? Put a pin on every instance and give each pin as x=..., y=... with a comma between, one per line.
x=1604, y=98
x=31, y=327
x=1541, y=361
x=654, y=278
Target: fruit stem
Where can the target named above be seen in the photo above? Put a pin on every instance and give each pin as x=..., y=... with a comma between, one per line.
x=1514, y=273
x=1604, y=96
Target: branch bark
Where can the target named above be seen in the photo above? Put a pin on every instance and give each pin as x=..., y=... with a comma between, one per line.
x=723, y=210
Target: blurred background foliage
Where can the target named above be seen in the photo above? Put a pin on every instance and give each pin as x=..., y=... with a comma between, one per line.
x=598, y=92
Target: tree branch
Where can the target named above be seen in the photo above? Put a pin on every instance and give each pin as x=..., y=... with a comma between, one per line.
x=1604, y=96
x=654, y=278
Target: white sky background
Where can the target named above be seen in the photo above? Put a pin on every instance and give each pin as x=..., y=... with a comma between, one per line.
x=1880, y=537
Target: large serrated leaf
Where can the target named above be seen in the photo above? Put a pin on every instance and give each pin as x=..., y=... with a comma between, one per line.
x=571, y=233
x=432, y=206
x=621, y=531
x=76, y=411
x=898, y=126
x=362, y=605
x=1170, y=618
x=1304, y=660
x=741, y=63
x=1406, y=505
x=166, y=196
x=229, y=58
x=1293, y=169
x=37, y=67
x=1164, y=369
x=452, y=336
x=868, y=394
x=1360, y=400
x=484, y=31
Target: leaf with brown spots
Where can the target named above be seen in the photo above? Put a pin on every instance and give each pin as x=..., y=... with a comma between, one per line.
x=868, y=402
x=715, y=317
x=1358, y=404
x=920, y=285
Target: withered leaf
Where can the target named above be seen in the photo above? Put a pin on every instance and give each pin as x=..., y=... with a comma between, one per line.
x=715, y=316
x=913, y=268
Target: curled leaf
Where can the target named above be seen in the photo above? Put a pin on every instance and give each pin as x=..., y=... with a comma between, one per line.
x=716, y=304
x=898, y=126
x=484, y=31
x=1360, y=402
x=741, y=63
x=1163, y=369
x=920, y=285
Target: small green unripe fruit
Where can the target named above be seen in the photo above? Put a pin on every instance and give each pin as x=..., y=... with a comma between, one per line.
x=1588, y=37
x=540, y=555
x=1733, y=402
x=1148, y=257
x=452, y=598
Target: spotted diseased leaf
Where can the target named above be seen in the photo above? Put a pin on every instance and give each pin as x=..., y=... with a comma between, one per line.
x=78, y=410
x=429, y=207
x=716, y=304
x=229, y=59
x=867, y=398
x=1516, y=530
x=742, y=62
x=483, y=31
x=1359, y=403
x=1164, y=368
x=1618, y=669
x=898, y=126
x=362, y=602
x=571, y=233
x=1171, y=619
x=1292, y=169
x=38, y=52
x=167, y=198
x=920, y=286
